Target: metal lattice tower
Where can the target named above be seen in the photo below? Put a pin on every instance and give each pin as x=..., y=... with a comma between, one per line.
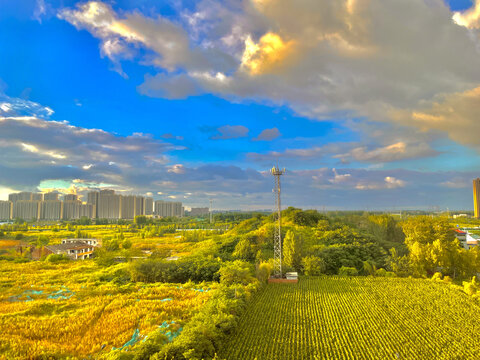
x=277, y=240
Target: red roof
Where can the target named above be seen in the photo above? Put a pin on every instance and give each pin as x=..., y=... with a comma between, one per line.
x=460, y=232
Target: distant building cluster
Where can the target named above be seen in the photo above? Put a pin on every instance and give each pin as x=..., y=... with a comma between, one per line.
x=199, y=211
x=104, y=204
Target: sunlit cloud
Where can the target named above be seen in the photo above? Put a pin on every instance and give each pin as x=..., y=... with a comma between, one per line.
x=469, y=18
x=269, y=54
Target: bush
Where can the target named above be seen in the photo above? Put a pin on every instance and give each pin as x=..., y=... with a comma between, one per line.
x=180, y=271
x=264, y=270
x=347, y=271
x=437, y=276
x=313, y=265
x=381, y=272
x=53, y=258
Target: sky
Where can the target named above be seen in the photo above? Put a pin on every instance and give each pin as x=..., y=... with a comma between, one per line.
x=368, y=104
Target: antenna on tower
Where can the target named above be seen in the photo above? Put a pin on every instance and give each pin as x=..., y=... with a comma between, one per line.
x=277, y=240
x=211, y=208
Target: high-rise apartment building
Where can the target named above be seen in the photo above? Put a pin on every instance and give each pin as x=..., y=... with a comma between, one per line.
x=20, y=196
x=92, y=199
x=128, y=207
x=70, y=197
x=50, y=196
x=148, y=206
x=5, y=210
x=476, y=197
x=37, y=197
x=86, y=210
x=139, y=205
x=26, y=209
x=168, y=208
x=109, y=205
x=51, y=210
x=71, y=209
x=132, y=206
x=199, y=211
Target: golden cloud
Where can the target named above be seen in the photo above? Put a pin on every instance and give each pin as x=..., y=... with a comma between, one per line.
x=455, y=114
x=269, y=54
x=469, y=18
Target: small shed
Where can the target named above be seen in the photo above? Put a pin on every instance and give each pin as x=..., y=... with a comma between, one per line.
x=291, y=275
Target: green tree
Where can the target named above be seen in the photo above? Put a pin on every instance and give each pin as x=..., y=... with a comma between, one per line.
x=42, y=240
x=347, y=271
x=369, y=268
x=243, y=250
x=313, y=265
x=292, y=250
x=264, y=270
x=140, y=220
x=432, y=245
x=235, y=272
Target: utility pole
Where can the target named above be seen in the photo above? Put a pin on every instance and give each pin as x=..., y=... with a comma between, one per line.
x=277, y=241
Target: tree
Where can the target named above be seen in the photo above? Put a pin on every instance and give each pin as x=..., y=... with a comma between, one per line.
x=432, y=245
x=42, y=240
x=84, y=221
x=347, y=271
x=140, y=220
x=292, y=250
x=235, y=272
x=369, y=268
x=264, y=270
x=313, y=265
x=243, y=250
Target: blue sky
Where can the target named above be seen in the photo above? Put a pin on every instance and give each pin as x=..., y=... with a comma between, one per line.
x=193, y=100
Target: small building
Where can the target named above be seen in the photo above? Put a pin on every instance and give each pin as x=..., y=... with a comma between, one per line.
x=291, y=276
x=94, y=242
x=76, y=249
x=460, y=235
x=73, y=251
x=471, y=241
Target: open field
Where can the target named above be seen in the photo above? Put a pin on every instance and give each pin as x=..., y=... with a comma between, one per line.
x=358, y=318
x=79, y=309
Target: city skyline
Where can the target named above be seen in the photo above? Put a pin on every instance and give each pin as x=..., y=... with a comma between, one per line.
x=196, y=101
x=103, y=204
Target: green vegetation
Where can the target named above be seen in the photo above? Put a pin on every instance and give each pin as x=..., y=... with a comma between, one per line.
x=358, y=318
x=180, y=287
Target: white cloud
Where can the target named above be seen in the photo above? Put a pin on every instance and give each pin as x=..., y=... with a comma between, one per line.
x=469, y=18
x=120, y=34
x=389, y=153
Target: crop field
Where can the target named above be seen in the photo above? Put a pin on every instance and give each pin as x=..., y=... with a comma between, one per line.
x=75, y=309
x=358, y=318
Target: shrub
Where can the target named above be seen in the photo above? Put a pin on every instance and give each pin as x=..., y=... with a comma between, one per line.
x=313, y=265
x=53, y=258
x=437, y=276
x=381, y=272
x=347, y=271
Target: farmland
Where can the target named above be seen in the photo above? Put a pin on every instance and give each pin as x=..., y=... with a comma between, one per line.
x=71, y=309
x=358, y=318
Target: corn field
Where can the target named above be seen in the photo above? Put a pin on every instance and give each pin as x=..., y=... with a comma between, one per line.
x=362, y=318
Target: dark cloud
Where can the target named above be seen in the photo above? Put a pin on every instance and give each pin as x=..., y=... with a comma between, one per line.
x=268, y=135
x=230, y=132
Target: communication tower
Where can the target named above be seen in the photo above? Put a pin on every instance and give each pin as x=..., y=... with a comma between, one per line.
x=277, y=240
